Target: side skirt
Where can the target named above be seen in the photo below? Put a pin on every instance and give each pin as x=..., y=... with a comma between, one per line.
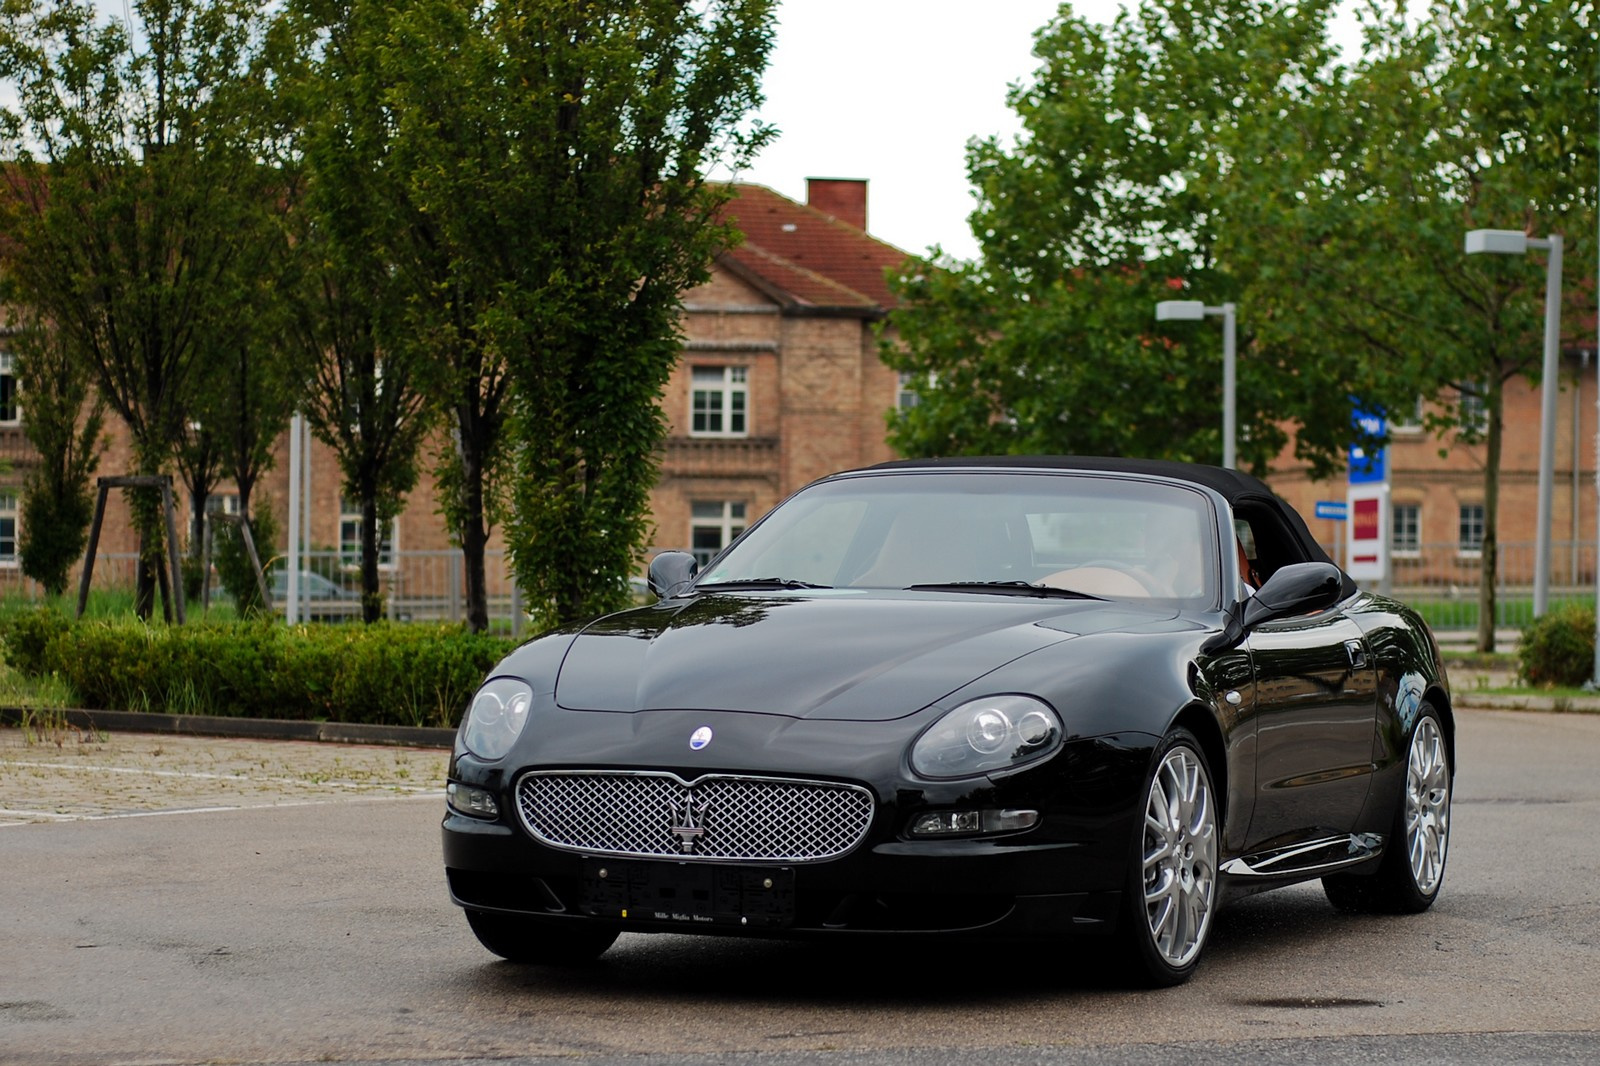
x=1304, y=860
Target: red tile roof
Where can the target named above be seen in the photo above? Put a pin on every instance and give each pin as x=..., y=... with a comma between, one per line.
x=804, y=258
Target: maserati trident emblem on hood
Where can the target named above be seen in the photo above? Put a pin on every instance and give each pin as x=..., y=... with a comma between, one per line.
x=700, y=738
x=687, y=819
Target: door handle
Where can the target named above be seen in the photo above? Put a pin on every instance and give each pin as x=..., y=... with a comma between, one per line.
x=1357, y=651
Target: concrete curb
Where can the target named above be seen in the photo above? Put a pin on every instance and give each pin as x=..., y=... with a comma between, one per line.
x=247, y=728
x=1554, y=704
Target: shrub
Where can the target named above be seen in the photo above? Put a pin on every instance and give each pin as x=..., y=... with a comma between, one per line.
x=393, y=675
x=27, y=635
x=1558, y=649
x=234, y=571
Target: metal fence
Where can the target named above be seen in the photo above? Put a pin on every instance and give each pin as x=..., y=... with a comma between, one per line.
x=416, y=586
x=1438, y=579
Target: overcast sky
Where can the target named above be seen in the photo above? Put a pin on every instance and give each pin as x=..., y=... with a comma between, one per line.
x=891, y=91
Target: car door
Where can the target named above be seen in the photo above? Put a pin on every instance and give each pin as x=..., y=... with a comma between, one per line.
x=1316, y=707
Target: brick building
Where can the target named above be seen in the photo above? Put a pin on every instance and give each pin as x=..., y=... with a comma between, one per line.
x=780, y=383
x=1436, y=513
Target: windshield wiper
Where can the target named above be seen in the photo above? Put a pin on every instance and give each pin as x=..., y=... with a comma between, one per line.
x=1009, y=588
x=761, y=583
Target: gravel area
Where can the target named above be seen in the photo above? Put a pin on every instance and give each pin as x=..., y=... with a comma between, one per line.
x=66, y=773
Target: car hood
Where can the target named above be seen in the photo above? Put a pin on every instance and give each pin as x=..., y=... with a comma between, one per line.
x=857, y=657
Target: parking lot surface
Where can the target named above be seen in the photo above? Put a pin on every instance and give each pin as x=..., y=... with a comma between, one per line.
x=70, y=774
x=193, y=901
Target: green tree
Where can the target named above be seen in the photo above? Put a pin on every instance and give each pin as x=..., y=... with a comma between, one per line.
x=65, y=425
x=133, y=163
x=370, y=385
x=546, y=199
x=1479, y=116
x=1141, y=146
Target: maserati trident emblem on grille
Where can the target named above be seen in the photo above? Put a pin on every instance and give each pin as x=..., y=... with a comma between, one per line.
x=700, y=738
x=688, y=823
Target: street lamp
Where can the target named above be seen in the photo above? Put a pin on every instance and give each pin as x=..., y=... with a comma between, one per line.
x=1194, y=311
x=1515, y=242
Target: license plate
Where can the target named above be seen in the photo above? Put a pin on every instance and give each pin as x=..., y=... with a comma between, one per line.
x=689, y=893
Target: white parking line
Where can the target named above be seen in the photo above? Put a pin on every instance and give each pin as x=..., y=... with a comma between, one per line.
x=202, y=776
x=56, y=816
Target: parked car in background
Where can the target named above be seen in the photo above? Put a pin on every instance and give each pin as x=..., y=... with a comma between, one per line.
x=1013, y=699
x=322, y=600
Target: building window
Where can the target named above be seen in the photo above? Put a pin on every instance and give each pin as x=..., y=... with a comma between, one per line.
x=712, y=527
x=906, y=396
x=8, y=529
x=1406, y=538
x=1469, y=539
x=1406, y=420
x=720, y=404
x=1472, y=409
x=10, y=410
x=350, y=536
x=223, y=503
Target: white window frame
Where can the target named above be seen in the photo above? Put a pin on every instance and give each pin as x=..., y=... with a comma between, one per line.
x=1462, y=549
x=8, y=369
x=10, y=512
x=1410, y=423
x=350, y=547
x=1412, y=547
x=719, y=394
x=730, y=519
x=906, y=395
x=1472, y=408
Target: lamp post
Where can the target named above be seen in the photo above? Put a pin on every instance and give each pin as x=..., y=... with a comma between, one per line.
x=1515, y=242
x=1194, y=311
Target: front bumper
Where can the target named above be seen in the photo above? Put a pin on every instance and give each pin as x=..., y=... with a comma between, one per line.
x=1063, y=877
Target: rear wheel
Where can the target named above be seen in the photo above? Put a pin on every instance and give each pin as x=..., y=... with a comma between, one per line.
x=1411, y=871
x=556, y=943
x=1173, y=886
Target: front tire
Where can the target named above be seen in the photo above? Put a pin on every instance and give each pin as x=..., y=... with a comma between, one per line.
x=1411, y=871
x=548, y=943
x=1172, y=887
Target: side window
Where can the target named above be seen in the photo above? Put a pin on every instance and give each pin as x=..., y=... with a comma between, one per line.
x=1268, y=543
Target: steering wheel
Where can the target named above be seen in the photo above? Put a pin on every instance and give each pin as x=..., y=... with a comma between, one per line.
x=1146, y=580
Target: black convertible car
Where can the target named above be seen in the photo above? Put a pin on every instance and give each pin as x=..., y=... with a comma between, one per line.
x=1005, y=698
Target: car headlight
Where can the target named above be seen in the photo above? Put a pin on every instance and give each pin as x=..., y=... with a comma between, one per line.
x=496, y=717
x=979, y=737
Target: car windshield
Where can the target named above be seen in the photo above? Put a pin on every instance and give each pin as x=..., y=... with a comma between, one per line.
x=1020, y=533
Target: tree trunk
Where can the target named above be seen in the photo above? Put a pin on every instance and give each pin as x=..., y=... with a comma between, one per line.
x=371, y=601
x=1490, y=562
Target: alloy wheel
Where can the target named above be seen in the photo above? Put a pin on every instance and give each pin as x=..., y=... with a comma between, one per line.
x=1427, y=805
x=1180, y=856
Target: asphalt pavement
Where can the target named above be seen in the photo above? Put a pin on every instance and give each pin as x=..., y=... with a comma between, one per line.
x=186, y=900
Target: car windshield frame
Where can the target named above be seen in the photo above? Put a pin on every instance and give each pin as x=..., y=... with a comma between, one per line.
x=976, y=531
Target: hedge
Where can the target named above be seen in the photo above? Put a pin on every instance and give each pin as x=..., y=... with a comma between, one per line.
x=413, y=675
x=1558, y=649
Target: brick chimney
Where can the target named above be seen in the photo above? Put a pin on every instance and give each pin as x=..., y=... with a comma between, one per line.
x=843, y=198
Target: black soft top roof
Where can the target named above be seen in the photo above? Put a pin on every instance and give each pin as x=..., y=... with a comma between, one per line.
x=1241, y=490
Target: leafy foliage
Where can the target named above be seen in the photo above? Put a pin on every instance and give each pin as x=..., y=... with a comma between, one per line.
x=410, y=675
x=1558, y=648
x=1138, y=153
x=1219, y=150
x=234, y=569
x=65, y=427
x=132, y=176
x=542, y=202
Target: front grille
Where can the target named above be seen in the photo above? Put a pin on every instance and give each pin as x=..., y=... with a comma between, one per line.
x=716, y=818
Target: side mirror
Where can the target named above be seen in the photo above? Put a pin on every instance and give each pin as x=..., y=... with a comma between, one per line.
x=1299, y=588
x=670, y=572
